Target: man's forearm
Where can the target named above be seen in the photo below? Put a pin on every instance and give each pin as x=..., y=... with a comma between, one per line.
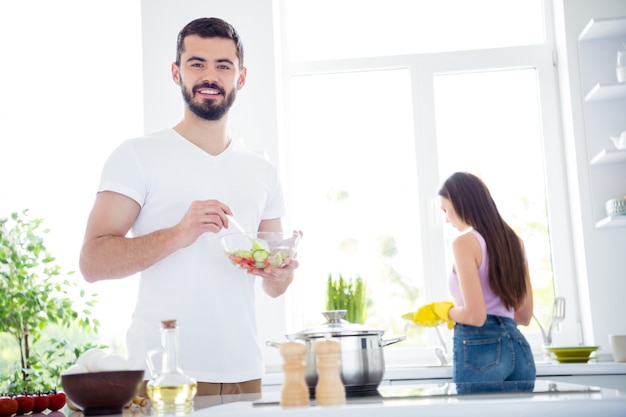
x=113, y=257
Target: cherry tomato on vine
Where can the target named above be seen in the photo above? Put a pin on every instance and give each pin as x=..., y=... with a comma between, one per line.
x=8, y=406
x=25, y=402
x=57, y=400
x=42, y=401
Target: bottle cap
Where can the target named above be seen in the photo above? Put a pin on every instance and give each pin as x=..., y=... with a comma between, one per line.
x=168, y=324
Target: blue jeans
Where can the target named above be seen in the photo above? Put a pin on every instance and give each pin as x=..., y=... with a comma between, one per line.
x=493, y=358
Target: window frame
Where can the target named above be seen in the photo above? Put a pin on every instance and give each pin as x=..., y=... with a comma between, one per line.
x=423, y=68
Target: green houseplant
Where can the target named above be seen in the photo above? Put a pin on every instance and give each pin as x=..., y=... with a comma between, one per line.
x=347, y=294
x=37, y=308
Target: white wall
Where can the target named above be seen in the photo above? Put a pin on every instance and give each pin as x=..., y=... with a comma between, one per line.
x=599, y=253
x=253, y=117
x=70, y=92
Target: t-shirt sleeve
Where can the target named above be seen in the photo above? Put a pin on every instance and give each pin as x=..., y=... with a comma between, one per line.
x=122, y=174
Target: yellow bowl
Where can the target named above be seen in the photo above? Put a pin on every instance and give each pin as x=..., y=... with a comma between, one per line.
x=572, y=354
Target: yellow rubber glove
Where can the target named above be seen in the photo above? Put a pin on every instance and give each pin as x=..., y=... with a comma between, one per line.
x=431, y=315
x=442, y=310
x=425, y=316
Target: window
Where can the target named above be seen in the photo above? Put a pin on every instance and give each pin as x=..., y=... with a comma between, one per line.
x=353, y=189
x=371, y=137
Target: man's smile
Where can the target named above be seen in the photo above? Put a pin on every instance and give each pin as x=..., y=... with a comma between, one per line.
x=208, y=90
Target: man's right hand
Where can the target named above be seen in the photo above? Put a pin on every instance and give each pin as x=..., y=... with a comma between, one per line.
x=201, y=217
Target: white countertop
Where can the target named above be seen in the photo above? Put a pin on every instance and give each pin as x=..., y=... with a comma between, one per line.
x=544, y=369
x=585, y=401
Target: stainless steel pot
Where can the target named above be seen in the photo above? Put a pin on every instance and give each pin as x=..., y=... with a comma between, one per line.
x=362, y=358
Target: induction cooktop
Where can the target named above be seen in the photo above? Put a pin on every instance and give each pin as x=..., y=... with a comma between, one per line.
x=390, y=393
x=448, y=389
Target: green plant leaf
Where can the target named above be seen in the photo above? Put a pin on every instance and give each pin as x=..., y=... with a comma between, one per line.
x=34, y=297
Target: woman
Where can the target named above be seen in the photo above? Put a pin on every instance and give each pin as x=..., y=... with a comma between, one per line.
x=492, y=293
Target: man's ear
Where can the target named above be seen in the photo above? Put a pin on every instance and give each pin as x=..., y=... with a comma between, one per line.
x=175, y=73
x=242, y=78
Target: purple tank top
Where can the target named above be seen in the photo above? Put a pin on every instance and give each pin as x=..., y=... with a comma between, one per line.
x=494, y=304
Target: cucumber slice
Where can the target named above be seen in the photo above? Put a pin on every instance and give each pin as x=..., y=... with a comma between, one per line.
x=260, y=255
x=278, y=258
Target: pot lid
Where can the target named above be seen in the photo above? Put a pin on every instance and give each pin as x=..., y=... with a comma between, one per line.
x=335, y=326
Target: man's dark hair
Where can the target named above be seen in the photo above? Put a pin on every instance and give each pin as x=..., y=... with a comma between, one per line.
x=209, y=27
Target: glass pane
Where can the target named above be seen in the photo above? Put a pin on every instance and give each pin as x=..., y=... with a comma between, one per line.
x=489, y=124
x=340, y=29
x=353, y=191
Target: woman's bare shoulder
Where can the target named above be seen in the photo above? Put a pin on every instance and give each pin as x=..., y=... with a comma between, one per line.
x=467, y=244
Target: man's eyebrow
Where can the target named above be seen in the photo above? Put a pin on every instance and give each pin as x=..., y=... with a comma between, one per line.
x=222, y=60
x=195, y=58
x=219, y=61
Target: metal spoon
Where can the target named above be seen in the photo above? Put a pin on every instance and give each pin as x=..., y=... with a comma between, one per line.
x=238, y=226
x=231, y=220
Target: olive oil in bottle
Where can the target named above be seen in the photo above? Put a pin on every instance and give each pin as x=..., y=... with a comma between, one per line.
x=174, y=394
x=170, y=390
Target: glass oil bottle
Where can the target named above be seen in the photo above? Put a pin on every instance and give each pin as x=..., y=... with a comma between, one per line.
x=170, y=390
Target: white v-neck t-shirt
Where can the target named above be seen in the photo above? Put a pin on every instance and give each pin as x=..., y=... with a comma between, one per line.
x=212, y=300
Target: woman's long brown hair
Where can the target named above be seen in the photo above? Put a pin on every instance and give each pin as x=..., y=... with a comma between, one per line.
x=473, y=203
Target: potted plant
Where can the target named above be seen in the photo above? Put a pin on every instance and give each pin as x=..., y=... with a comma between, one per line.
x=347, y=294
x=35, y=295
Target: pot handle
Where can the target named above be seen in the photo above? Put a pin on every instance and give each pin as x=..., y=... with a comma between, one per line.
x=384, y=343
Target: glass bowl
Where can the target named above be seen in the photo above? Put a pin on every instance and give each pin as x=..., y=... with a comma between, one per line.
x=260, y=250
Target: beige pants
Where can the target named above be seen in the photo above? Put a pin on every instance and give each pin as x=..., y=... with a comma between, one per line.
x=209, y=388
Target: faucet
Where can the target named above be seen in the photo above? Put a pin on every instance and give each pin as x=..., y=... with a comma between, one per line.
x=558, y=315
x=441, y=351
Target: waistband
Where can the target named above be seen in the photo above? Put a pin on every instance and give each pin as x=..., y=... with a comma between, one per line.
x=491, y=319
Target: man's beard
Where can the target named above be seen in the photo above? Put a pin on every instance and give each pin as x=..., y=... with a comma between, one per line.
x=207, y=110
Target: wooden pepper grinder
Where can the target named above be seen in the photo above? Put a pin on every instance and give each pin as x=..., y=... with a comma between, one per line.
x=295, y=392
x=330, y=389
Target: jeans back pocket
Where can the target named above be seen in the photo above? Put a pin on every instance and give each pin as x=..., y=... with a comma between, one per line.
x=482, y=354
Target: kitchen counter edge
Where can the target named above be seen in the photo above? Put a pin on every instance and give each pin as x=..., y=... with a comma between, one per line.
x=445, y=372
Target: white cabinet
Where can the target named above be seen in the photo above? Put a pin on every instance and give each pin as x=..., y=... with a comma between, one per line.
x=604, y=112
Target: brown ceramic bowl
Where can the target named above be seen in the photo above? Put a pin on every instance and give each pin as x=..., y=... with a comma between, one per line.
x=98, y=393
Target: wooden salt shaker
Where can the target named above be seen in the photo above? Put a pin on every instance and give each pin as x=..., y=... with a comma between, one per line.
x=330, y=389
x=295, y=392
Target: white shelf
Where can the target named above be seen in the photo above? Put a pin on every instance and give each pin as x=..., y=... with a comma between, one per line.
x=603, y=29
x=611, y=30
x=611, y=221
x=609, y=156
x=604, y=92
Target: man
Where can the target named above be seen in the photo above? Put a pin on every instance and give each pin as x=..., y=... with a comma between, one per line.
x=173, y=190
